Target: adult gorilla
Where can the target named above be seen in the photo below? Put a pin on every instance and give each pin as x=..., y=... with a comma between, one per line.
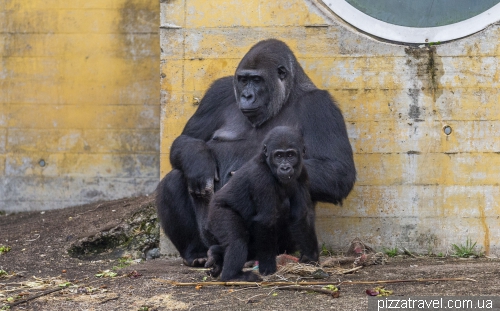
x=269, y=89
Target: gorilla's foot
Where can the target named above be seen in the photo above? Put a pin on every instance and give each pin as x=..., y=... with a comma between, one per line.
x=250, y=264
x=309, y=259
x=197, y=262
x=246, y=276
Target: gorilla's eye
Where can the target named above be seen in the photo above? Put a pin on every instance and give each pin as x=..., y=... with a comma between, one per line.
x=243, y=79
x=279, y=155
x=256, y=79
x=290, y=154
x=282, y=72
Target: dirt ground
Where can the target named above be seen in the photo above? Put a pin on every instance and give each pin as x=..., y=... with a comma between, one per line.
x=39, y=274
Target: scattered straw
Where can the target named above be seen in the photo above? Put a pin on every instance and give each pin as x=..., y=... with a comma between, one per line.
x=305, y=270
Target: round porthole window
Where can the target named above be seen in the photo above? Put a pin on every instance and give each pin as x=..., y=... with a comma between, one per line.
x=421, y=21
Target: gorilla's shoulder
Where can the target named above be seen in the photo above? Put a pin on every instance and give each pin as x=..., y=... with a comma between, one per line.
x=223, y=82
x=221, y=88
x=220, y=93
x=318, y=98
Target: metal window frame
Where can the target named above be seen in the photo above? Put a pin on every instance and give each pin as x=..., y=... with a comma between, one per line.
x=384, y=30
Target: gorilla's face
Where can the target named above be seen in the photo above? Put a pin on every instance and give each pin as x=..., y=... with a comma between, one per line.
x=283, y=151
x=263, y=80
x=253, y=95
x=285, y=164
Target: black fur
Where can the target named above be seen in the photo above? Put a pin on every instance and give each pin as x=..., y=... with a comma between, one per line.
x=219, y=139
x=264, y=209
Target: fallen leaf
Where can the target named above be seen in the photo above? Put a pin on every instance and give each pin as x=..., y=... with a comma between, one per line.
x=134, y=275
x=372, y=292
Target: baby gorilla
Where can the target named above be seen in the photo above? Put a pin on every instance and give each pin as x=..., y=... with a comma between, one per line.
x=265, y=209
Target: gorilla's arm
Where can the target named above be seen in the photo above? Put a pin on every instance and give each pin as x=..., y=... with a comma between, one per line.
x=195, y=160
x=189, y=152
x=329, y=158
x=302, y=227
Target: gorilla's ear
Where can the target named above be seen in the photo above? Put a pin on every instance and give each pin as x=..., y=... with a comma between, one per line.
x=282, y=72
x=264, y=150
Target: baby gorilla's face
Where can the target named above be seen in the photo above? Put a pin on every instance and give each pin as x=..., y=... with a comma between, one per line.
x=284, y=164
x=283, y=151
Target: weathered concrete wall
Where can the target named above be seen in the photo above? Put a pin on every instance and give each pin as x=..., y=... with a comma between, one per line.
x=417, y=187
x=79, y=90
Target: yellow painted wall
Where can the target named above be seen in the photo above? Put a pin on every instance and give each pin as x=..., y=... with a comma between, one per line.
x=417, y=187
x=79, y=89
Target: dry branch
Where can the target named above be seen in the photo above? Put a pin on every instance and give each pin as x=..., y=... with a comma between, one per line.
x=334, y=294
x=109, y=299
x=263, y=284
x=50, y=291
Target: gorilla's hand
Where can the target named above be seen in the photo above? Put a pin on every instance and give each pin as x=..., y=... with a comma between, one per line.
x=214, y=261
x=194, y=158
x=201, y=183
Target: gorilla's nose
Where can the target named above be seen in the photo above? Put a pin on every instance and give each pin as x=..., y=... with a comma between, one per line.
x=285, y=168
x=247, y=97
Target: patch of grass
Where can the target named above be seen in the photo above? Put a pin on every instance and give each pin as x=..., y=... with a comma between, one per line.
x=123, y=262
x=325, y=251
x=331, y=287
x=65, y=284
x=391, y=252
x=466, y=250
x=106, y=274
x=440, y=254
x=4, y=249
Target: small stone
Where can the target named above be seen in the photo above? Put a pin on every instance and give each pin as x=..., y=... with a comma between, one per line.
x=153, y=253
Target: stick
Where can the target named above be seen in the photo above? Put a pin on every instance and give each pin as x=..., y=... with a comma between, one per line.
x=317, y=290
x=50, y=291
x=174, y=283
x=109, y=299
x=407, y=252
x=38, y=236
x=351, y=270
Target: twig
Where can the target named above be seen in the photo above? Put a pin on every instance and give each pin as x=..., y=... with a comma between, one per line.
x=199, y=269
x=284, y=279
x=251, y=299
x=334, y=294
x=407, y=252
x=109, y=299
x=38, y=236
x=174, y=283
x=50, y=291
x=351, y=270
x=47, y=292
x=95, y=209
x=232, y=291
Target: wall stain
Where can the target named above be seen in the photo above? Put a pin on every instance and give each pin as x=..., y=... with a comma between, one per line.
x=482, y=219
x=428, y=69
x=428, y=241
x=139, y=20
